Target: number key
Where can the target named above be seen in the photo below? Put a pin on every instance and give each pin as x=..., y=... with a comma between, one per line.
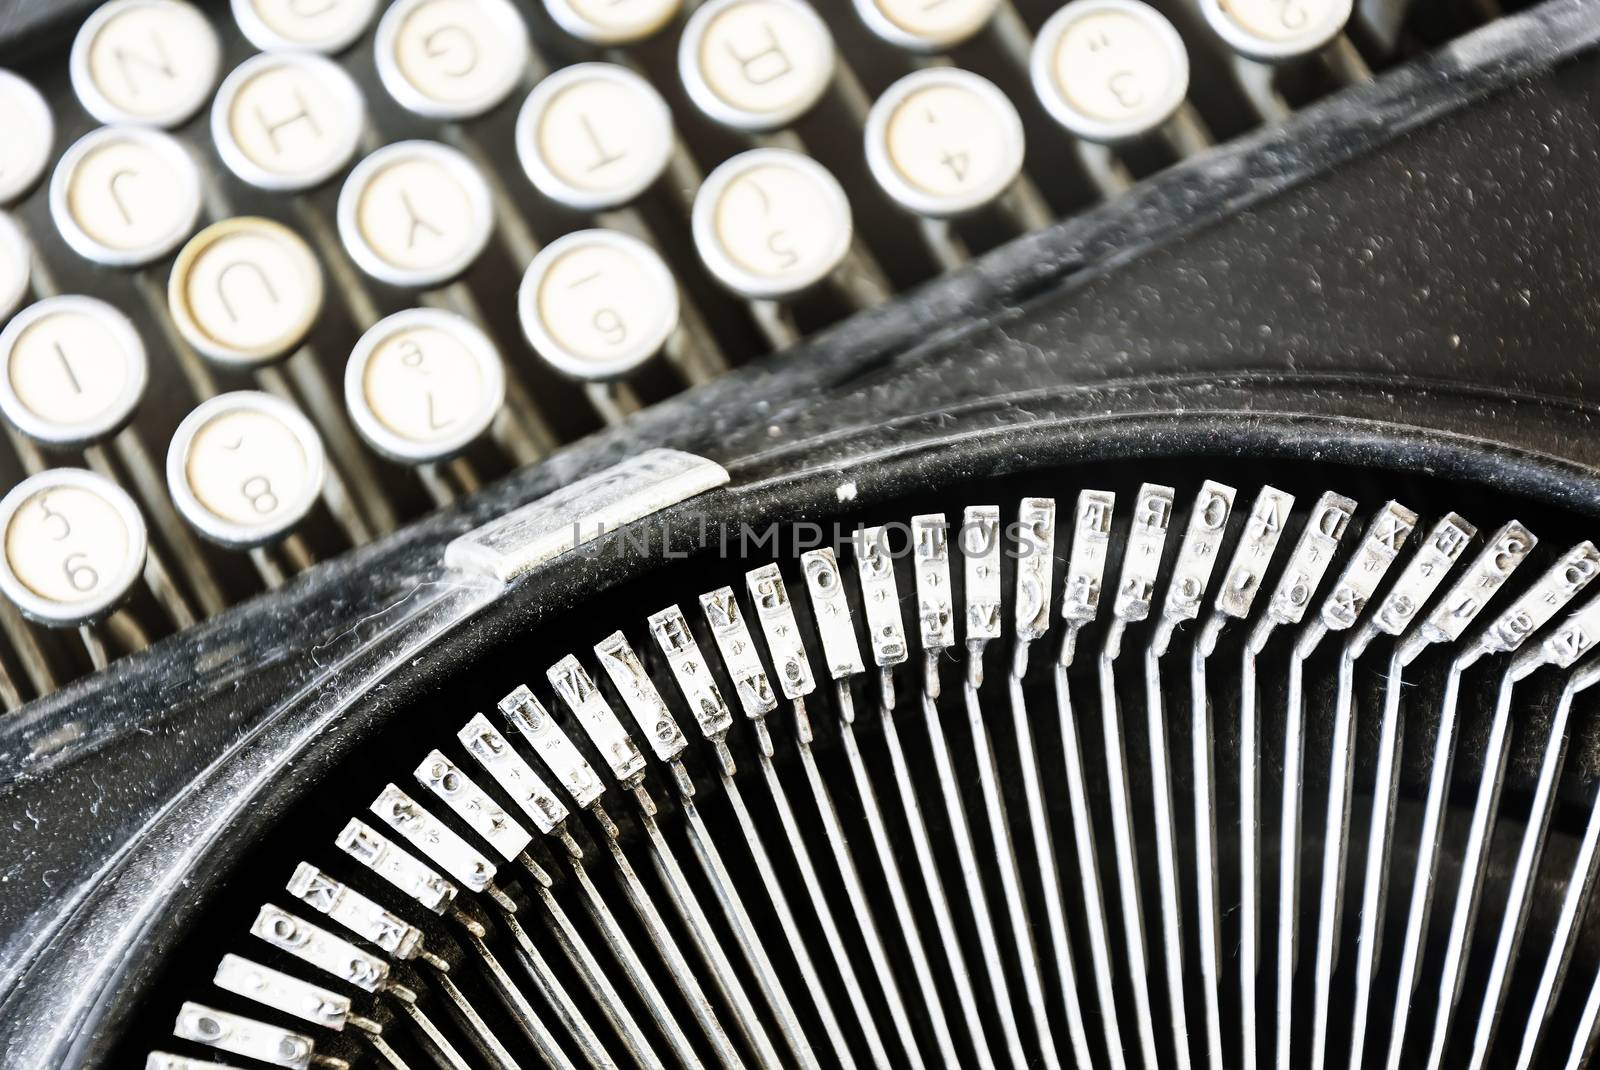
x=1277, y=30
x=1109, y=70
x=422, y=384
x=598, y=303
x=245, y=468
x=74, y=545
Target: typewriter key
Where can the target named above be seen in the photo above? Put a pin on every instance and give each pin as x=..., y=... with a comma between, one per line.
x=1109, y=70
x=74, y=545
x=287, y=121
x=145, y=61
x=27, y=133
x=598, y=303
x=1276, y=30
x=771, y=223
x=944, y=141
x=594, y=136
x=923, y=27
x=451, y=59
x=415, y=214
x=72, y=370
x=756, y=65
x=422, y=384
x=244, y=468
x=327, y=26
x=245, y=291
x=125, y=195
x=612, y=22
x=16, y=265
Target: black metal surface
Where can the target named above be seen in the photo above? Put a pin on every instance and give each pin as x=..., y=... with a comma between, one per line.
x=1298, y=294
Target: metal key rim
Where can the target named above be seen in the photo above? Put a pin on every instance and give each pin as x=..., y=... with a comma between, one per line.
x=116, y=415
x=1042, y=62
x=908, y=193
x=201, y=338
x=730, y=272
x=1241, y=40
x=47, y=611
x=509, y=28
x=392, y=444
x=332, y=78
x=551, y=349
x=89, y=247
x=709, y=101
x=97, y=104
x=218, y=529
x=369, y=259
x=259, y=33
x=23, y=94
x=536, y=107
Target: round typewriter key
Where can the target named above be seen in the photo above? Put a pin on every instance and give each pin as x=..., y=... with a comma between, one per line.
x=451, y=59
x=317, y=25
x=125, y=195
x=245, y=291
x=74, y=544
x=287, y=120
x=1275, y=30
x=73, y=370
x=145, y=61
x=415, y=214
x=598, y=303
x=1109, y=70
x=594, y=136
x=612, y=22
x=756, y=64
x=244, y=468
x=27, y=133
x=944, y=141
x=16, y=266
x=926, y=27
x=770, y=223
x=422, y=384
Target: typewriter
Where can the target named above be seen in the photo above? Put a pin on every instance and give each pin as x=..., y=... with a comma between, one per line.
x=783, y=534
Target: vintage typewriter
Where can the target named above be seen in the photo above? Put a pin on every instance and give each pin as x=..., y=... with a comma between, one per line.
x=904, y=534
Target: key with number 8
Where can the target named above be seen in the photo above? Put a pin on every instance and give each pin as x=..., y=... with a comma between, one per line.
x=245, y=468
x=75, y=543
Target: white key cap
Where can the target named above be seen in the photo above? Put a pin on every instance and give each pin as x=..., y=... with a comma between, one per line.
x=74, y=545
x=612, y=22
x=125, y=195
x=422, y=384
x=594, y=136
x=755, y=64
x=245, y=291
x=597, y=304
x=27, y=135
x=72, y=370
x=922, y=26
x=16, y=265
x=415, y=214
x=1275, y=30
x=451, y=59
x=943, y=141
x=1109, y=70
x=244, y=468
x=145, y=61
x=288, y=120
x=327, y=26
x=770, y=223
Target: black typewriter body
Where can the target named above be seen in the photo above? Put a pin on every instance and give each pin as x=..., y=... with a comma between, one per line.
x=1389, y=294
